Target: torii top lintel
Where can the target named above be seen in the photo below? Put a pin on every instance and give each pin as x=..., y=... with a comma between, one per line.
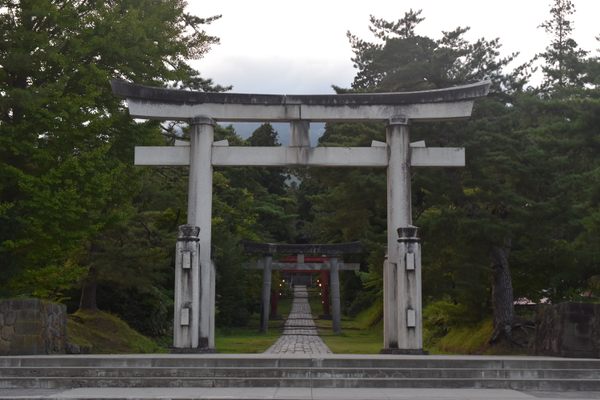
x=336, y=249
x=160, y=103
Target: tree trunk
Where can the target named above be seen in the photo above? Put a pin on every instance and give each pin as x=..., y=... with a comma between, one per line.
x=88, y=291
x=502, y=293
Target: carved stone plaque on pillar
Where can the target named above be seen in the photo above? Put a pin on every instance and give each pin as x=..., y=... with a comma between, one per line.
x=187, y=289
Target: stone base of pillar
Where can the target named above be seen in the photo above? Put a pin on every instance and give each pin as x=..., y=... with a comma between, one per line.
x=414, y=352
x=203, y=350
x=188, y=350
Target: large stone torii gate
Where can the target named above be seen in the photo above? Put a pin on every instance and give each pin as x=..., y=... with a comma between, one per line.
x=402, y=270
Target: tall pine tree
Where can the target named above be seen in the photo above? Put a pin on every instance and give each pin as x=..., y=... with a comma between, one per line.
x=563, y=59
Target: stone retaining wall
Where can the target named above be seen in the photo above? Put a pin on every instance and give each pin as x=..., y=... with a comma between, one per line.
x=568, y=330
x=32, y=326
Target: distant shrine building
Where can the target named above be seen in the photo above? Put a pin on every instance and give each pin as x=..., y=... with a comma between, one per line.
x=195, y=272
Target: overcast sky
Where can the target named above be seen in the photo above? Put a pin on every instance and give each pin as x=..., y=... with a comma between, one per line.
x=300, y=47
x=278, y=46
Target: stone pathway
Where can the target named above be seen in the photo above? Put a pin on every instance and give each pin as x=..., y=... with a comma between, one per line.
x=300, y=334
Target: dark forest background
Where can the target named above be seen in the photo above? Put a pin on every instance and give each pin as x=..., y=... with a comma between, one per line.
x=76, y=213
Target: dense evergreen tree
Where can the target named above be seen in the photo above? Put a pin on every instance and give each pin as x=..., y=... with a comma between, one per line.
x=67, y=143
x=563, y=59
x=405, y=60
x=250, y=204
x=517, y=206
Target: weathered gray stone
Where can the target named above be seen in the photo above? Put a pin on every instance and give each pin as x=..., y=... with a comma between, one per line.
x=308, y=249
x=187, y=291
x=7, y=332
x=32, y=326
x=11, y=317
x=159, y=103
x=72, y=348
x=4, y=346
x=189, y=232
x=26, y=344
x=28, y=327
x=183, y=97
x=568, y=330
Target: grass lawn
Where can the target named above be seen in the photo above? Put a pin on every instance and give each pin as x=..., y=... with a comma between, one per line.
x=244, y=340
x=248, y=339
x=360, y=335
x=352, y=340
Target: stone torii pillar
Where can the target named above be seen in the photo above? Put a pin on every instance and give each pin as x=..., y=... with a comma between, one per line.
x=402, y=324
x=402, y=310
x=187, y=295
x=336, y=309
x=200, y=214
x=265, y=311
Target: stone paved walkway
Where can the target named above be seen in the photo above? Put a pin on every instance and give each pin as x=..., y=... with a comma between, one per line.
x=300, y=334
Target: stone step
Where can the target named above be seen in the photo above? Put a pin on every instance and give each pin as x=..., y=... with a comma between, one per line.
x=516, y=384
x=306, y=373
x=328, y=371
x=212, y=361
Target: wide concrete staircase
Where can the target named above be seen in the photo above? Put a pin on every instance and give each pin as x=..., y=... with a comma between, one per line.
x=331, y=371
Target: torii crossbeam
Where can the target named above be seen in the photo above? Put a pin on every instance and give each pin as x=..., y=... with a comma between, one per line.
x=402, y=286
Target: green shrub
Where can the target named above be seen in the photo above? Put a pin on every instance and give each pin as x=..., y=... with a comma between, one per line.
x=440, y=316
x=468, y=339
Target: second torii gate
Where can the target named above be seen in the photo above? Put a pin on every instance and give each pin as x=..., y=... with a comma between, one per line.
x=334, y=264
x=402, y=271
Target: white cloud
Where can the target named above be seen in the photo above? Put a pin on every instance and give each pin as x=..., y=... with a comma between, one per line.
x=275, y=46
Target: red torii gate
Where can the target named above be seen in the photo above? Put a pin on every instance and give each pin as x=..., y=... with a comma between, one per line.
x=323, y=280
x=321, y=257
